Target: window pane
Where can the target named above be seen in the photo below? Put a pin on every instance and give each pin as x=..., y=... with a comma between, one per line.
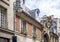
x=23, y=25
x=34, y=30
x=3, y=17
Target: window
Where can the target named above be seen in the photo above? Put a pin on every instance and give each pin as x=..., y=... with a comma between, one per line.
x=3, y=17
x=7, y=0
x=34, y=30
x=4, y=40
x=23, y=25
x=38, y=13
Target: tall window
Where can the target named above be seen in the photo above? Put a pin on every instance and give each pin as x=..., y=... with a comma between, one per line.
x=23, y=25
x=3, y=17
x=34, y=31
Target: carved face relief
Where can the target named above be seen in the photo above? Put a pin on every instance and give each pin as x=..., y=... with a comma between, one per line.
x=48, y=23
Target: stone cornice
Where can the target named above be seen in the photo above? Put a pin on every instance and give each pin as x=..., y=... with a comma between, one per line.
x=4, y=2
x=6, y=30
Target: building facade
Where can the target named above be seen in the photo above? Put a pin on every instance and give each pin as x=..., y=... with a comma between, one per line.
x=50, y=30
x=26, y=23
x=27, y=28
x=57, y=23
x=6, y=20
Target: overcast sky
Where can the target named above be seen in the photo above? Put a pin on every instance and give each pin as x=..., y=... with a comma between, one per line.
x=47, y=7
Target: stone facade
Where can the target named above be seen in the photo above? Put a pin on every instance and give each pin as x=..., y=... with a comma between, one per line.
x=7, y=31
x=57, y=27
x=48, y=34
x=40, y=33
x=9, y=6
x=30, y=22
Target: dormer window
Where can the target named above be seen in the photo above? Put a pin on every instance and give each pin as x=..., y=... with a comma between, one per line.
x=37, y=13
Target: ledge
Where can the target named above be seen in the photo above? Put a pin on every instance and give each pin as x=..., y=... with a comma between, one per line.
x=28, y=36
x=6, y=30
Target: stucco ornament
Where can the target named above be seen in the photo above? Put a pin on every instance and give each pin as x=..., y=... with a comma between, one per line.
x=48, y=22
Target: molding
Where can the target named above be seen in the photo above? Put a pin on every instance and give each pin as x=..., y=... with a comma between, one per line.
x=28, y=36
x=5, y=2
x=6, y=30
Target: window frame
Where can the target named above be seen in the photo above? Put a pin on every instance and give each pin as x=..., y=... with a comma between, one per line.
x=5, y=39
x=23, y=26
x=3, y=12
x=34, y=31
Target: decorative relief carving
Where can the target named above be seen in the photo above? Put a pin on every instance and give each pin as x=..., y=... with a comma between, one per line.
x=48, y=22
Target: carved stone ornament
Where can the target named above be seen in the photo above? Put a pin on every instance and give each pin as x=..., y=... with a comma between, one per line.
x=48, y=22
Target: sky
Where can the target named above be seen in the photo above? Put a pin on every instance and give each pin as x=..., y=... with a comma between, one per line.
x=47, y=7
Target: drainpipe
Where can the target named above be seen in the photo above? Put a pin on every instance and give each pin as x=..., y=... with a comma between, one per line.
x=14, y=37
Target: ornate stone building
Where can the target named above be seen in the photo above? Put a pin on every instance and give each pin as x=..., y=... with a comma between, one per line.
x=28, y=29
x=48, y=35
